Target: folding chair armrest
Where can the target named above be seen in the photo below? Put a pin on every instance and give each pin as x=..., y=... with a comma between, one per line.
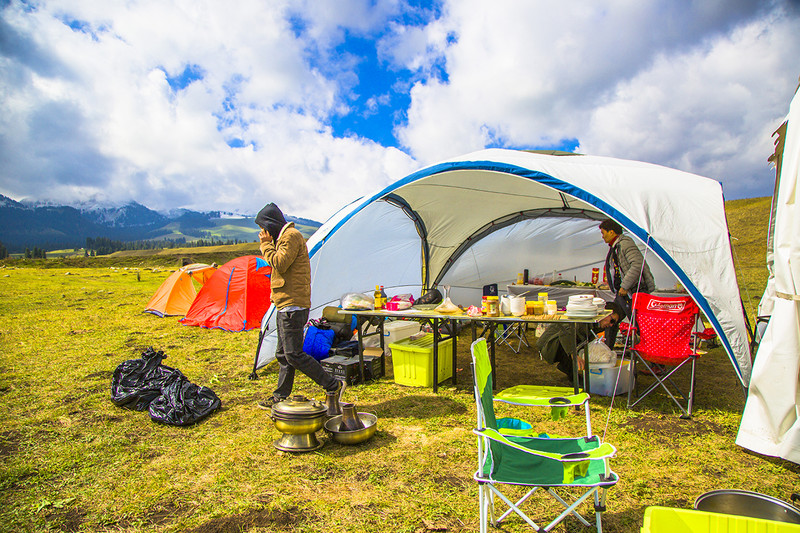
x=603, y=451
x=532, y=395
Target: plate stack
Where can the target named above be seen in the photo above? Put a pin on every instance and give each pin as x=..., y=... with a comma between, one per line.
x=581, y=306
x=600, y=303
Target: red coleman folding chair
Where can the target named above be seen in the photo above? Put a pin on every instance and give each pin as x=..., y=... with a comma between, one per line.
x=665, y=327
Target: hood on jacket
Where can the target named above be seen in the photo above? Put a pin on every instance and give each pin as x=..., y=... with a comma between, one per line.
x=271, y=220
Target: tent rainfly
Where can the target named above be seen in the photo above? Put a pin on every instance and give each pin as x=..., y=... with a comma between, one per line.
x=483, y=217
x=235, y=298
x=176, y=294
x=770, y=423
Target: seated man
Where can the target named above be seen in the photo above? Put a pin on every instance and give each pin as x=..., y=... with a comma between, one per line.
x=557, y=345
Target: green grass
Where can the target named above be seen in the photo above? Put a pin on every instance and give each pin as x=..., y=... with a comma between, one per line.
x=71, y=460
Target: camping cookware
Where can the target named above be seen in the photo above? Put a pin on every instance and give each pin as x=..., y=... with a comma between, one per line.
x=516, y=305
x=746, y=503
x=298, y=418
x=357, y=436
x=350, y=418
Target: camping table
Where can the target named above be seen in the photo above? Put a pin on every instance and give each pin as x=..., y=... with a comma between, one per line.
x=491, y=324
x=434, y=317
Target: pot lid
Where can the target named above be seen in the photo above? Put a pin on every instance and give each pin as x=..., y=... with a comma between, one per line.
x=298, y=406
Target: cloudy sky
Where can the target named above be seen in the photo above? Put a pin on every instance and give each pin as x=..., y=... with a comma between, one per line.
x=208, y=104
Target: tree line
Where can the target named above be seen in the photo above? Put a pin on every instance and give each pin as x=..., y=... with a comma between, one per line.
x=106, y=246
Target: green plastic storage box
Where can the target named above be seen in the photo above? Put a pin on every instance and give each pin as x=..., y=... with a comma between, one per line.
x=412, y=361
x=669, y=520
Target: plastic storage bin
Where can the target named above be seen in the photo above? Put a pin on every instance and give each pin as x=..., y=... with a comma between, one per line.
x=397, y=330
x=669, y=520
x=602, y=379
x=412, y=361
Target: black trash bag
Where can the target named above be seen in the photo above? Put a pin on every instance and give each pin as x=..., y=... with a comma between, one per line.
x=342, y=333
x=137, y=382
x=182, y=403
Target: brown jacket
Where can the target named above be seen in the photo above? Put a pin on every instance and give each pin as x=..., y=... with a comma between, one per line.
x=291, y=268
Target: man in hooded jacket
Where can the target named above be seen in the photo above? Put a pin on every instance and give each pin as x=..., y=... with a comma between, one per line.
x=284, y=248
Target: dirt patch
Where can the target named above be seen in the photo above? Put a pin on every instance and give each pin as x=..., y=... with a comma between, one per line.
x=206, y=350
x=103, y=374
x=672, y=426
x=9, y=443
x=453, y=481
x=67, y=519
x=166, y=513
x=273, y=520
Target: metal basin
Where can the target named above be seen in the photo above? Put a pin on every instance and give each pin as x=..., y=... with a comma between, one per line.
x=746, y=503
x=358, y=436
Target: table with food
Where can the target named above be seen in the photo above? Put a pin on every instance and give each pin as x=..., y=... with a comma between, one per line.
x=579, y=311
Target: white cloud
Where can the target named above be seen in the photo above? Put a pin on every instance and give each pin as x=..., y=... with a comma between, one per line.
x=626, y=79
x=168, y=148
x=90, y=105
x=710, y=111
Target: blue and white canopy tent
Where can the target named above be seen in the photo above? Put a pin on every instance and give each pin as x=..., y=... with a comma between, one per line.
x=483, y=217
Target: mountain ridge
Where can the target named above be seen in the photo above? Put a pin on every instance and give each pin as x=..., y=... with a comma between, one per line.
x=50, y=226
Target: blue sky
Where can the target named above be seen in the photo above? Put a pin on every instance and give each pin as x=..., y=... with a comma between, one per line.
x=313, y=103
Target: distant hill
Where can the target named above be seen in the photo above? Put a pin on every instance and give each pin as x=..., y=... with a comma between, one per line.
x=52, y=227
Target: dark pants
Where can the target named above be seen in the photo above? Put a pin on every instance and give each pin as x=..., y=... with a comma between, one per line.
x=622, y=306
x=291, y=356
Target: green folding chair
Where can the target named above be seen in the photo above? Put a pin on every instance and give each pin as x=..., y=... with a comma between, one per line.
x=534, y=462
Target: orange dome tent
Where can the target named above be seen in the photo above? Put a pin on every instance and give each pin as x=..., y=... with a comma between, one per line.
x=176, y=294
x=235, y=298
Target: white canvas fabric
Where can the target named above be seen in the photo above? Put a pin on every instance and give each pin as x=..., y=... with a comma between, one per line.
x=484, y=217
x=770, y=423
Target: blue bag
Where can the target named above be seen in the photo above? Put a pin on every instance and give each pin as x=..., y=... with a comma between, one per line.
x=318, y=341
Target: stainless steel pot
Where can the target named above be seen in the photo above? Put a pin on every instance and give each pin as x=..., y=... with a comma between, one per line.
x=358, y=436
x=298, y=418
x=746, y=503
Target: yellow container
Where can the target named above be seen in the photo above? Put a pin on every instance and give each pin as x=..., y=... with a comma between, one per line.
x=669, y=520
x=412, y=361
x=543, y=297
x=537, y=308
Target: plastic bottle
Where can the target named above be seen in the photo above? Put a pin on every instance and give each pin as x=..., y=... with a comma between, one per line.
x=384, y=298
x=378, y=299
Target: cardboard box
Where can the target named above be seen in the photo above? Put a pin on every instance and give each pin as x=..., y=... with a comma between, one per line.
x=346, y=368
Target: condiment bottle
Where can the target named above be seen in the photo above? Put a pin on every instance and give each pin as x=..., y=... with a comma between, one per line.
x=378, y=299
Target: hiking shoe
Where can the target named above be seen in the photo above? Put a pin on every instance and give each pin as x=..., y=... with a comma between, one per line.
x=340, y=387
x=269, y=402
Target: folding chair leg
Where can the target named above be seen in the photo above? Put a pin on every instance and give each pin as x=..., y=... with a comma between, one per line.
x=513, y=508
x=517, y=505
x=690, y=402
x=570, y=509
x=599, y=508
x=662, y=382
x=483, y=505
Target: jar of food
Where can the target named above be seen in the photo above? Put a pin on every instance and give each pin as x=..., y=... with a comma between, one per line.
x=493, y=306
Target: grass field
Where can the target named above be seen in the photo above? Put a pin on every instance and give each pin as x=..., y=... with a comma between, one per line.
x=71, y=460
